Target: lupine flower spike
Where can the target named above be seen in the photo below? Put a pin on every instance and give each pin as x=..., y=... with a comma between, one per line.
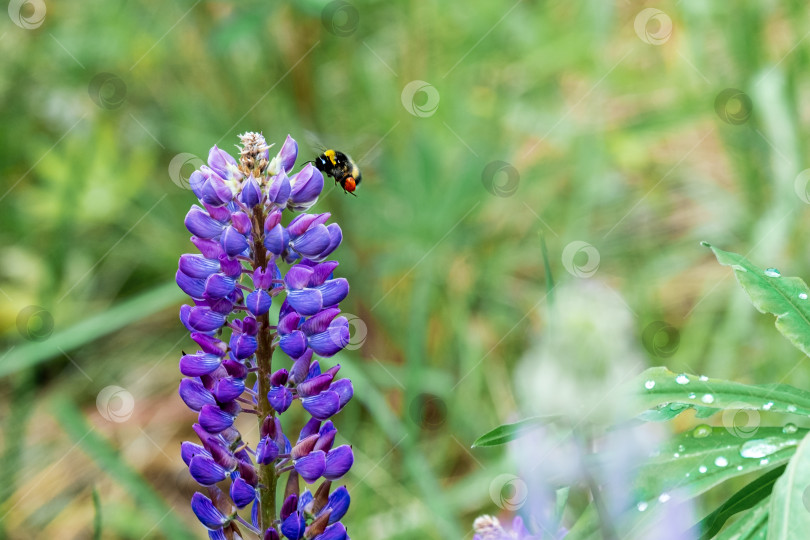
x=248, y=261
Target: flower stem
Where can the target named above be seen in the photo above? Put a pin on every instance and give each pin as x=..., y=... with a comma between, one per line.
x=264, y=354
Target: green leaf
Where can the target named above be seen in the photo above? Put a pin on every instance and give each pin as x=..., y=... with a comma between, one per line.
x=693, y=462
x=774, y=294
x=509, y=432
x=789, y=517
x=689, y=465
x=587, y=526
x=667, y=394
x=108, y=459
x=747, y=497
x=752, y=525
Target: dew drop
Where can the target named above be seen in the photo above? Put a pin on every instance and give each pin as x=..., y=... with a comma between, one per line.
x=763, y=461
x=772, y=272
x=676, y=454
x=682, y=379
x=702, y=469
x=649, y=385
x=721, y=461
x=664, y=497
x=803, y=296
x=739, y=467
x=703, y=378
x=791, y=408
x=767, y=406
x=692, y=395
x=681, y=448
x=701, y=432
x=789, y=428
x=641, y=506
x=707, y=398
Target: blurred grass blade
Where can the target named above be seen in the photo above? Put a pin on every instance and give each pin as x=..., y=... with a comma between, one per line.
x=746, y=498
x=96, y=514
x=547, y=269
x=92, y=328
x=509, y=432
x=789, y=517
x=108, y=459
x=752, y=525
x=659, y=388
x=786, y=297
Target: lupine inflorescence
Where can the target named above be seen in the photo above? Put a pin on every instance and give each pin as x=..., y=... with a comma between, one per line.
x=233, y=283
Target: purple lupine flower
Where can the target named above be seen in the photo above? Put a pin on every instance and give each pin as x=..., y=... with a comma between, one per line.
x=247, y=257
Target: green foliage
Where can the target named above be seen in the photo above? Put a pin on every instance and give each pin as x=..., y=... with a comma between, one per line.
x=789, y=518
x=786, y=297
x=689, y=464
x=753, y=494
x=509, y=432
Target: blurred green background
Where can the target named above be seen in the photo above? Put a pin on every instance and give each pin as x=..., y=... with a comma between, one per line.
x=587, y=121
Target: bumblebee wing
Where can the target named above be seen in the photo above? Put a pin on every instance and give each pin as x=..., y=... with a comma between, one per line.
x=314, y=141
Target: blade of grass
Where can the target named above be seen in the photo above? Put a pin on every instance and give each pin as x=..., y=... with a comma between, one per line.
x=92, y=328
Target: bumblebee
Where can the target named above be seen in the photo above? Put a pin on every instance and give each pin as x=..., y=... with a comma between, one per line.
x=340, y=167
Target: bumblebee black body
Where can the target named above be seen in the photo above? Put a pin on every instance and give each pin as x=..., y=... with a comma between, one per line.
x=340, y=167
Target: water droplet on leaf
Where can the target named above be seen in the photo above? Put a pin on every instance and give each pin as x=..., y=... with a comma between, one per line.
x=789, y=428
x=761, y=448
x=772, y=272
x=702, y=431
x=682, y=379
x=649, y=385
x=721, y=461
x=707, y=398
